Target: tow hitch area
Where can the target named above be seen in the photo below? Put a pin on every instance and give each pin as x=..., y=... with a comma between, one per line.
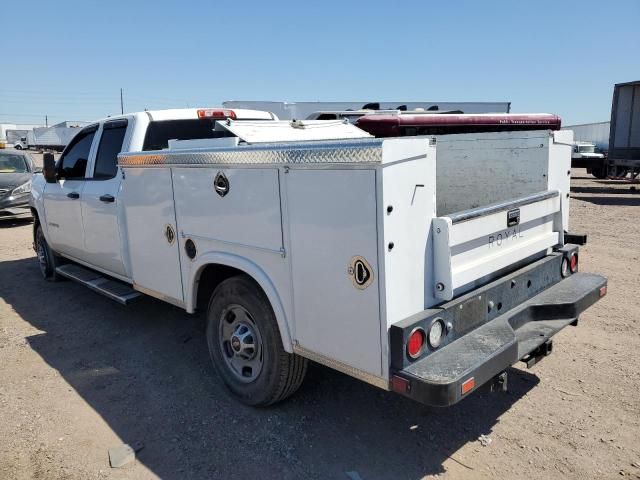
x=497, y=384
x=538, y=354
x=488, y=330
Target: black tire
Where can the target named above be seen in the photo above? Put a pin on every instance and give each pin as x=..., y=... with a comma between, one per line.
x=599, y=172
x=18, y=147
x=280, y=373
x=47, y=258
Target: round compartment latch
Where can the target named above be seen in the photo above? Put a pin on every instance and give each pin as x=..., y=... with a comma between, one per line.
x=221, y=184
x=360, y=272
x=190, y=249
x=169, y=234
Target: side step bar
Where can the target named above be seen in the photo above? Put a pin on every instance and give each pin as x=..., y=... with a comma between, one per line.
x=113, y=289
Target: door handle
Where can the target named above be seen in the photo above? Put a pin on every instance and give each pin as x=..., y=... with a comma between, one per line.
x=74, y=195
x=107, y=198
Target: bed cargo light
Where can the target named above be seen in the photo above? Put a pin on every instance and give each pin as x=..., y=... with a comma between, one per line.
x=220, y=113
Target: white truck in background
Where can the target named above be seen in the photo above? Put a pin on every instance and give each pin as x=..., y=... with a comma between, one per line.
x=315, y=241
x=587, y=155
x=18, y=139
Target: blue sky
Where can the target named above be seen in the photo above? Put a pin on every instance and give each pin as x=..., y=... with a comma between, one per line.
x=69, y=59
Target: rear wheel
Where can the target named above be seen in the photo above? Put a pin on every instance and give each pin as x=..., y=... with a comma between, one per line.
x=246, y=347
x=47, y=259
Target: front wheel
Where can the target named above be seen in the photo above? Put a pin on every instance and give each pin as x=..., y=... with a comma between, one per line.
x=18, y=147
x=47, y=259
x=246, y=347
x=599, y=172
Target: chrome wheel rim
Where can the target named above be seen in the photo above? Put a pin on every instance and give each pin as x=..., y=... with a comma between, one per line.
x=42, y=257
x=241, y=343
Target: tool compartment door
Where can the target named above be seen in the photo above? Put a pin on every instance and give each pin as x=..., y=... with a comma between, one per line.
x=332, y=221
x=473, y=244
x=229, y=207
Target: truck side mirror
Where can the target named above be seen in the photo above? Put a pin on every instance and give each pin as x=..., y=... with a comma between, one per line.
x=49, y=170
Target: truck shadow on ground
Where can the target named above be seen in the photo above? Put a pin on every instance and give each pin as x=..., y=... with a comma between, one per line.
x=145, y=370
x=621, y=190
x=615, y=201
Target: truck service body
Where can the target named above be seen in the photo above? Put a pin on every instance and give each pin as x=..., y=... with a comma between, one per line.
x=304, y=240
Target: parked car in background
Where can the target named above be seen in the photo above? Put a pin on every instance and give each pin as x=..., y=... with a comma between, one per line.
x=16, y=172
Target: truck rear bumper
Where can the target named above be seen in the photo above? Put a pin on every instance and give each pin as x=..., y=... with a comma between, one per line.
x=588, y=162
x=448, y=374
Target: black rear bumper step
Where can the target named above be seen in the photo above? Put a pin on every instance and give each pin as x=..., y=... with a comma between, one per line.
x=478, y=356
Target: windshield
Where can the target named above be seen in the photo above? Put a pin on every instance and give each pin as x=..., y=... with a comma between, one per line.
x=587, y=148
x=12, y=163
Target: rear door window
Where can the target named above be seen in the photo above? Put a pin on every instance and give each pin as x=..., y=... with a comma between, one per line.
x=73, y=163
x=110, y=146
x=159, y=132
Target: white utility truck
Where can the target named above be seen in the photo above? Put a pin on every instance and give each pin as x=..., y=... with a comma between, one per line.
x=587, y=155
x=420, y=265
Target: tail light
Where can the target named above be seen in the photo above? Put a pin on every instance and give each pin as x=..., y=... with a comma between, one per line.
x=564, y=267
x=573, y=262
x=436, y=332
x=217, y=113
x=416, y=342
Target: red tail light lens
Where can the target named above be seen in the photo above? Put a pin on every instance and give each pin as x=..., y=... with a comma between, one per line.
x=573, y=263
x=416, y=343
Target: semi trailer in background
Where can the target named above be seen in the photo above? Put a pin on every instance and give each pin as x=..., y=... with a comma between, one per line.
x=594, y=133
x=624, y=136
x=302, y=110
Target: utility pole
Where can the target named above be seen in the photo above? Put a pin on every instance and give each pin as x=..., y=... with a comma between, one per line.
x=121, y=103
x=46, y=121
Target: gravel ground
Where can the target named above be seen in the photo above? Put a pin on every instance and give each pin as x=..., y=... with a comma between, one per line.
x=80, y=374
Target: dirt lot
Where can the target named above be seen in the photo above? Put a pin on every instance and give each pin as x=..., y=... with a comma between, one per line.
x=80, y=374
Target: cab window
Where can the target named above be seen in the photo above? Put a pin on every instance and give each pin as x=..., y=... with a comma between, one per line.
x=109, y=148
x=73, y=163
x=160, y=132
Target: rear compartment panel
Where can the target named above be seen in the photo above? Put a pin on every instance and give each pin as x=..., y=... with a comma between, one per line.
x=477, y=243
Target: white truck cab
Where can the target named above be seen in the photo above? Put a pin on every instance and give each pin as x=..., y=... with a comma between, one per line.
x=21, y=144
x=314, y=240
x=79, y=213
x=586, y=155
